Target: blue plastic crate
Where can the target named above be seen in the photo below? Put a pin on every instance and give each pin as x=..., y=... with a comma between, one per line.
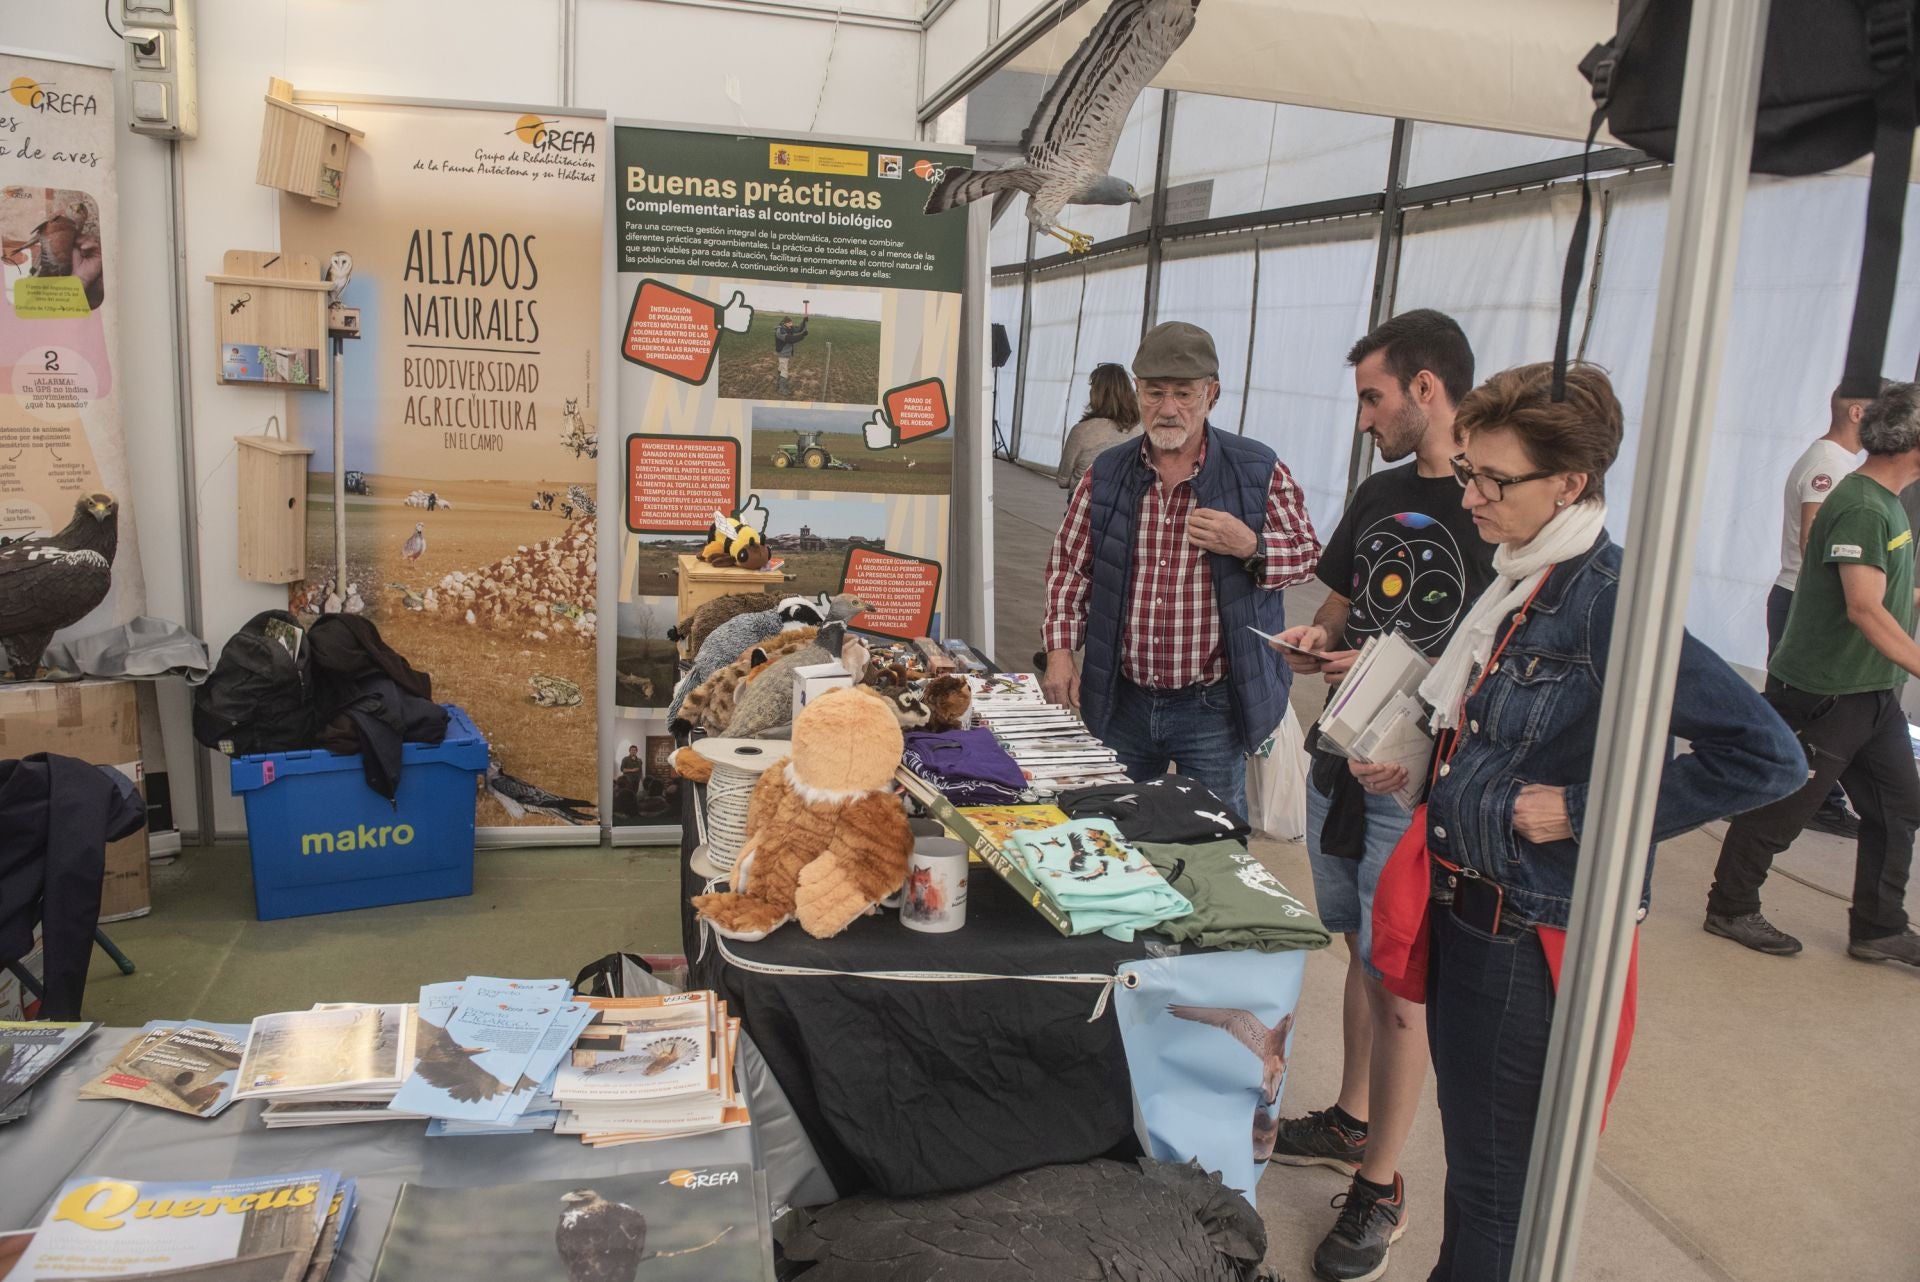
x=324, y=842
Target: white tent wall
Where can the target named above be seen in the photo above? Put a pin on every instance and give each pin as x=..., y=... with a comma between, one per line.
x=1053, y=329
x=1315, y=283
x=1005, y=308
x=1262, y=155
x=1213, y=290
x=795, y=66
x=1109, y=327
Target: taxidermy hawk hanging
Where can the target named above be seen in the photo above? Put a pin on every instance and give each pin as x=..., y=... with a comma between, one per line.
x=49, y=582
x=1071, y=139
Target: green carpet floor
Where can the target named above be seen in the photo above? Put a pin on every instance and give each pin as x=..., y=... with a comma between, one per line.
x=202, y=955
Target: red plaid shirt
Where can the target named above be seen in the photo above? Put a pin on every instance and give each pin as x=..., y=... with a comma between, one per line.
x=1171, y=635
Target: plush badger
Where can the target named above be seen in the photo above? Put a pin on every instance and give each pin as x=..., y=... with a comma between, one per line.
x=738, y=635
x=826, y=838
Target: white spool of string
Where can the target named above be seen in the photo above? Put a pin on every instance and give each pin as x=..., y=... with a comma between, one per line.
x=737, y=767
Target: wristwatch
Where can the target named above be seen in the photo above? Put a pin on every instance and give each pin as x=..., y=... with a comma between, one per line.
x=1256, y=565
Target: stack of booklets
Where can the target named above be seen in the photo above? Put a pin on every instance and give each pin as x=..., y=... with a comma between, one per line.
x=1051, y=745
x=183, y=1066
x=268, y=1228
x=333, y=1064
x=485, y=1051
x=651, y=1068
x=27, y=1051
x=1376, y=715
x=696, y=1223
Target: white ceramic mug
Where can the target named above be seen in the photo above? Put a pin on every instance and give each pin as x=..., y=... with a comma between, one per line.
x=935, y=896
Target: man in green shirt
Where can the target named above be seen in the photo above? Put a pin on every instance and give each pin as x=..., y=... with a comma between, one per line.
x=1836, y=678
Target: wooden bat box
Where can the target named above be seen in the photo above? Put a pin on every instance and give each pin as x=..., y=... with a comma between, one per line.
x=302, y=151
x=270, y=311
x=273, y=509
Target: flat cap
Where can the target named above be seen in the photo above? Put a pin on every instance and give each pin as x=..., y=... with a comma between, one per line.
x=1175, y=349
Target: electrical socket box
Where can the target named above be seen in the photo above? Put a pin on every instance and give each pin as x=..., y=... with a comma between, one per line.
x=162, y=68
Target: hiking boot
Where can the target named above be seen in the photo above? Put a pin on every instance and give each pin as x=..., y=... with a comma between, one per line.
x=1837, y=821
x=1755, y=931
x=1356, y=1248
x=1903, y=947
x=1319, y=1140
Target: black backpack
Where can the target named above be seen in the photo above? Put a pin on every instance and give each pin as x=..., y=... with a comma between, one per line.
x=1838, y=79
x=260, y=696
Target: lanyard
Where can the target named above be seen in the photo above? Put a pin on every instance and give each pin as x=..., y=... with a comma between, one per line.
x=1493, y=661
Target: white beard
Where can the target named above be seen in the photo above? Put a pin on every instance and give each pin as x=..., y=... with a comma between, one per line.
x=1167, y=438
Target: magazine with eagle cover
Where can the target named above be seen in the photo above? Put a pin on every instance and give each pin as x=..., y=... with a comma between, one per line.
x=684, y=1224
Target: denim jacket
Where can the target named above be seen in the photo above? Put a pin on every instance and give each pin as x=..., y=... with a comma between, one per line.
x=1533, y=720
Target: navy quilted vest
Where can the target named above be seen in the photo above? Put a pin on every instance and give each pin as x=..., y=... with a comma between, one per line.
x=1234, y=478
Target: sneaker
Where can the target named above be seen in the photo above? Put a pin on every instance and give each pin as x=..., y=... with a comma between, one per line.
x=1835, y=820
x=1319, y=1140
x=1356, y=1249
x=1903, y=947
x=1755, y=931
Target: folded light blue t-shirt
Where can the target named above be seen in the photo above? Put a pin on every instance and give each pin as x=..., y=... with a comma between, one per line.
x=1090, y=871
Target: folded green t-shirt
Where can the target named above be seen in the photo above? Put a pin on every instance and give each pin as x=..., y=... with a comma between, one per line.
x=1236, y=902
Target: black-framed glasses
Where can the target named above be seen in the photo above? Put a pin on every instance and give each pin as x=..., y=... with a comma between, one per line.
x=1491, y=488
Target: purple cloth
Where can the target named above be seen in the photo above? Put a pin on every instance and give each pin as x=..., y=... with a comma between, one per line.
x=969, y=767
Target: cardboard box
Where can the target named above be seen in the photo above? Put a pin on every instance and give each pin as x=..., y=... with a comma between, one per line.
x=96, y=721
x=811, y=680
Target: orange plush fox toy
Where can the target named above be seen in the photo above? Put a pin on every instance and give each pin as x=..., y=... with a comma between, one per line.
x=826, y=838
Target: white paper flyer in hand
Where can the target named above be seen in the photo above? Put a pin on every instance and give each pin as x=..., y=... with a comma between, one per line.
x=102, y=1227
x=1388, y=665
x=1397, y=736
x=1273, y=638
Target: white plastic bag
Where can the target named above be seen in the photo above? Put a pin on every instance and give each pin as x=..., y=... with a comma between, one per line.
x=1277, y=783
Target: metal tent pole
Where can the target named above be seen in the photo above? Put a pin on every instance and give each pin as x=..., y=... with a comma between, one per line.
x=340, y=471
x=1714, y=145
x=1386, y=279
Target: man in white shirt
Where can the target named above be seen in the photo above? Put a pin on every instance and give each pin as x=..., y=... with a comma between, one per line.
x=1813, y=477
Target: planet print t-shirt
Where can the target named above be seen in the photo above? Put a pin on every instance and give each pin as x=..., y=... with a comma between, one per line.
x=1408, y=557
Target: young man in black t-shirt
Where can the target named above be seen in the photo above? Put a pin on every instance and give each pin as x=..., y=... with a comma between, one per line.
x=1405, y=557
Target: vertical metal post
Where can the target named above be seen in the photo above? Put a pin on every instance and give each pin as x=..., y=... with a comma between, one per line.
x=1026, y=341
x=1386, y=276
x=189, y=464
x=1157, y=215
x=1253, y=330
x=1714, y=144
x=340, y=469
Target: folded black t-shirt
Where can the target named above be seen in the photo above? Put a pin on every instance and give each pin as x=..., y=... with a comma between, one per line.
x=1171, y=808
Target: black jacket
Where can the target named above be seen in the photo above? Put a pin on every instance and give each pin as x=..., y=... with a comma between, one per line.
x=369, y=699
x=57, y=815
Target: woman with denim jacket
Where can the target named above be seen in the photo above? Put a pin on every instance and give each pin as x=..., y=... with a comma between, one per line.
x=1508, y=809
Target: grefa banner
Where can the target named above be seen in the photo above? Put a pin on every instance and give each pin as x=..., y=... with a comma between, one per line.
x=789, y=342
x=471, y=241
x=60, y=429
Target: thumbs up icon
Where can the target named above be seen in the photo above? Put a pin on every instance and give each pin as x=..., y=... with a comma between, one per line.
x=880, y=433
x=736, y=316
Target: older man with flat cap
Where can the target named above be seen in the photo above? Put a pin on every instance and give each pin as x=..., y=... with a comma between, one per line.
x=1172, y=549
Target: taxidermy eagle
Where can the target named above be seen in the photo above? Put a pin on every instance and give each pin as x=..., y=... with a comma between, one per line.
x=602, y=1241
x=49, y=582
x=1098, y=1221
x=1071, y=139
x=448, y=1065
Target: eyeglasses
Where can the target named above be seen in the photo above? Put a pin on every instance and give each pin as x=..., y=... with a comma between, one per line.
x=1182, y=397
x=1491, y=488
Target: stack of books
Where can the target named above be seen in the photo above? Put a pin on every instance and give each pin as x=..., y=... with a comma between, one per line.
x=286, y=1228
x=1376, y=716
x=651, y=1068
x=333, y=1064
x=183, y=1066
x=1051, y=745
x=485, y=1051
x=27, y=1051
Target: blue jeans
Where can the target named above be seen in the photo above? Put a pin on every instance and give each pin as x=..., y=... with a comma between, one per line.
x=1343, y=888
x=1193, y=726
x=1489, y=1011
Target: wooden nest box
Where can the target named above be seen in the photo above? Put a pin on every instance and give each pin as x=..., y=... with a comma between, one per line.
x=302, y=151
x=270, y=313
x=273, y=509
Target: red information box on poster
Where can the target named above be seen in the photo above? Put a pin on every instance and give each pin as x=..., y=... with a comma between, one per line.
x=917, y=410
x=676, y=483
x=901, y=589
x=672, y=331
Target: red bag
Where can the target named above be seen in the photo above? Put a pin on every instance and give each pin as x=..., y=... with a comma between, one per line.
x=1401, y=903
x=1553, y=942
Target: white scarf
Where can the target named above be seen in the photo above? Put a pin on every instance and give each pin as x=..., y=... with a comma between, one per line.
x=1519, y=570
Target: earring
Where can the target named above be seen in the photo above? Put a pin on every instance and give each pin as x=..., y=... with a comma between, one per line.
x=1559, y=502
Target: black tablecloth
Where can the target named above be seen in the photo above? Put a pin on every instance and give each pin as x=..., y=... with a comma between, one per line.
x=943, y=1081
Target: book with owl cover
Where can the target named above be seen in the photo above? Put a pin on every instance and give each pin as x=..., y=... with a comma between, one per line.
x=641, y=1048
x=692, y=1224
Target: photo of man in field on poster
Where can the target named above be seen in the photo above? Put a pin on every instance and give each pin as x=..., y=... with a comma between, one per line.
x=806, y=344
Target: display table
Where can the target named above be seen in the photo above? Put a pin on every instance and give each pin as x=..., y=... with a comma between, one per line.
x=922, y=1062
x=65, y=1136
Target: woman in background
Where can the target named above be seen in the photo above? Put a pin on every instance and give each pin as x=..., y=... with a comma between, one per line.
x=1111, y=415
